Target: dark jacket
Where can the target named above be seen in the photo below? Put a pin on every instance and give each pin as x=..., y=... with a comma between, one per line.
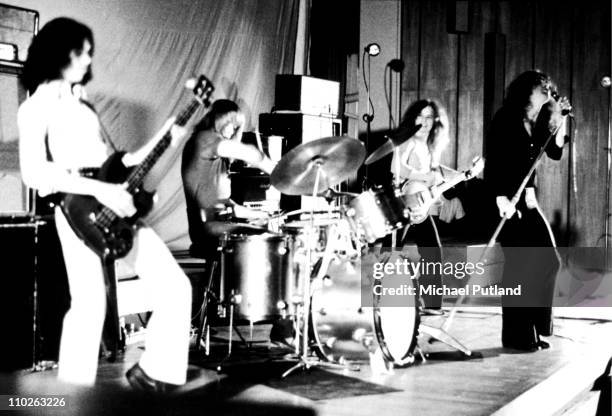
x=510, y=150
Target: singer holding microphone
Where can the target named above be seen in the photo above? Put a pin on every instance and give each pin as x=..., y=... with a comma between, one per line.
x=519, y=130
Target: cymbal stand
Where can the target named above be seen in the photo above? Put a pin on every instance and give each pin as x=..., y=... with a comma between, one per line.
x=305, y=362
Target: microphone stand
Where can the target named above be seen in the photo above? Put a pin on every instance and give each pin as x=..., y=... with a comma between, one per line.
x=396, y=168
x=367, y=117
x=608, y=149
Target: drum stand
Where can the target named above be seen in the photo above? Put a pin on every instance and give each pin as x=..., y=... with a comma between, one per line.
x=204, y=313
x=204, y=330
x=441, y=335
x=305, y=362
x=235, y=299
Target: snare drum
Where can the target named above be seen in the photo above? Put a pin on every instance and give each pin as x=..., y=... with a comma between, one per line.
x=343, y=329
x=257, y=275
x=376, y=212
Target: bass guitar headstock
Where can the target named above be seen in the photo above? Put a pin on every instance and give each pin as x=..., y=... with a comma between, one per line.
x=202, y=88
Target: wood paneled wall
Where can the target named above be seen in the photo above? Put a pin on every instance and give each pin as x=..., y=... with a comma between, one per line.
x=569, y=42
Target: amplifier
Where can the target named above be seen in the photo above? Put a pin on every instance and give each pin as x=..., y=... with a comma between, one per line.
x=18, y=27
x=307, y=95
x=297, y=128
x=34, y=293
x=248, y=184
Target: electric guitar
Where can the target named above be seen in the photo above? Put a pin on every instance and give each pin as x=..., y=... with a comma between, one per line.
x=417, y=194
x=107, y=234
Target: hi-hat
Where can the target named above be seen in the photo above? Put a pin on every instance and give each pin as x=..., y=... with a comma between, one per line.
x=337, y=158
x=396, y=140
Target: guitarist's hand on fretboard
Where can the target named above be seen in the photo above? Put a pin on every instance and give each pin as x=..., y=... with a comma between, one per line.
x=178, y=134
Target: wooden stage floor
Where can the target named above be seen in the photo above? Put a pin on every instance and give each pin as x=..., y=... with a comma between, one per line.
x=494, y=381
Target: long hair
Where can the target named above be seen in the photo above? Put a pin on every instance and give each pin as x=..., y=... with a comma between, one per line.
x=438, y=135
x=520, y=89
x=49, y=52
x=221, y=112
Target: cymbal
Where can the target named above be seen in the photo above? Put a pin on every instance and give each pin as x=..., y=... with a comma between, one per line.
x=337, y=157
x=396, y=140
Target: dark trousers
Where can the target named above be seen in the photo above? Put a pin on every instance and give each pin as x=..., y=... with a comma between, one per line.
x=530, y=261
x=424, y=236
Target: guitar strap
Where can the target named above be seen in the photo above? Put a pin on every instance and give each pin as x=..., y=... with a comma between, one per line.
x=47, y=151
x=52, y=200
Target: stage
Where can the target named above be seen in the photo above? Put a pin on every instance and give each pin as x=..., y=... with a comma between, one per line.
x=493, y=380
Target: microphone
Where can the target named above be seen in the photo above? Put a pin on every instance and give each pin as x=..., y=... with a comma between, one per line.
x=396, y=65
x=565, y=111
x=605, y=82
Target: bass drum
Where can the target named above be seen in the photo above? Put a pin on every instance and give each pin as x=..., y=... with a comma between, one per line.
x=344, y=330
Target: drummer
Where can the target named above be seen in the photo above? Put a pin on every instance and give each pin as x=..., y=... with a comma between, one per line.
x=418, y=159
x=215, y=142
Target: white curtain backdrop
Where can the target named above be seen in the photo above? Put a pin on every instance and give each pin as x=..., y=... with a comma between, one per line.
x=146, y=49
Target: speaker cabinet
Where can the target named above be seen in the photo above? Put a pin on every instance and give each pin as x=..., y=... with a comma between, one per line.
x=18, y=313
x=297, y=128
x=18, y=27
x=34, y=295
x=15, y=198
x=308, y=95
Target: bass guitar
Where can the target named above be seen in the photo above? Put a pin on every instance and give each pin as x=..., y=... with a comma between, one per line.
x=107, y=234
x=416, y=194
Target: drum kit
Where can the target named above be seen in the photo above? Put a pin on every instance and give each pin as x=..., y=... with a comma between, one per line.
x=281, y=272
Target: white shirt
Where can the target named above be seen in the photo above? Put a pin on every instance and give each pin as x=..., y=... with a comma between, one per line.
x=74, y=138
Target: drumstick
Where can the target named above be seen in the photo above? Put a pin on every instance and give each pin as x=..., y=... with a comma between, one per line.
x=258, y=139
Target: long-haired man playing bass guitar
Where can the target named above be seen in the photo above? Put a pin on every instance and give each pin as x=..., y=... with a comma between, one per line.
x=60, y=135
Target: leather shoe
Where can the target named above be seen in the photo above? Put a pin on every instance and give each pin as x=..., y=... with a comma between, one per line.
x=139, y=380
x=527, y=347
